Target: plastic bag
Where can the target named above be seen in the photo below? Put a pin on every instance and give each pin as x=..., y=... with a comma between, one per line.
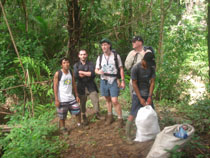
x=168, y=138
x=147, y=124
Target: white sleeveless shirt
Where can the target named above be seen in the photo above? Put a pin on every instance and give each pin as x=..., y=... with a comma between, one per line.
x=65, y=88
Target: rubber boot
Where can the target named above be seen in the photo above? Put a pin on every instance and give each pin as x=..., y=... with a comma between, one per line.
x=128, y=132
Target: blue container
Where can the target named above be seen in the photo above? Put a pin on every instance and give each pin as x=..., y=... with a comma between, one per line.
x=181, y=133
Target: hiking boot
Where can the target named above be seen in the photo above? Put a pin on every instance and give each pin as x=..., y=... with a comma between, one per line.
x=98, y=116
x=120, y=123
x=109, y=120
x=85, y=120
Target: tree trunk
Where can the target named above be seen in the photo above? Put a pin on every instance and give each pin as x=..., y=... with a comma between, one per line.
x=130, y=30
x=161, y=35
x=160, y=51
x=73, y=29
x=24, y=2
x=3, y=2
x=208, y=22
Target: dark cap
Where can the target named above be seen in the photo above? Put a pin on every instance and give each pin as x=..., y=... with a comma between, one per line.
x=149, y=58
x=105, y=40
x=137, y=38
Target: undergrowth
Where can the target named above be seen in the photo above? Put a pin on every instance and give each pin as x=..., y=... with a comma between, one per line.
x=32, y=137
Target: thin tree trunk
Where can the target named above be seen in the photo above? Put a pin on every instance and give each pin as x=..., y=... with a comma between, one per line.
x=160, y=51
x=208, y=22
x=31, y=93
x=161, y=35
x=3, y=2
x=130, y=29
x=73, y=28
x=24, y=2
x=13, y=41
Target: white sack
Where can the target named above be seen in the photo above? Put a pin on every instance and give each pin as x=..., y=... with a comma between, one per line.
x=166, y=140
x=147, y=124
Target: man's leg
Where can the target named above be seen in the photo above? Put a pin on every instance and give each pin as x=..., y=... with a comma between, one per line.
x=95, y=101
x=134, y=109
x=109, y=109
x=114, y=92
x=128, y=129
x=83, y=99
x=118, y=109
x=62, y=114
x=104, y=88
x=61, y=123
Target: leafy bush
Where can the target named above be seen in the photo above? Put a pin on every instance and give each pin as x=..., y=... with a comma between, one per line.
x=199, y=114
x=35, y=138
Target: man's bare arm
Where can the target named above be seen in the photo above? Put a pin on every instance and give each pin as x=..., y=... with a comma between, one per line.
x=136, y=89
x=55, y=88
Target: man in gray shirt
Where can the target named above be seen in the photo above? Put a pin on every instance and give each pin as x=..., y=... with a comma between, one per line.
x=143, y=81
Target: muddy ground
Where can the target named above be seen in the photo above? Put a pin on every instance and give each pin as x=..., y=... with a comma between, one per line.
x=99, y=141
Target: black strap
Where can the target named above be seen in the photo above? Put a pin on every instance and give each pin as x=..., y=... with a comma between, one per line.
x=100, y=60
x=115, y=59
x=60, y=73
x=135, y=59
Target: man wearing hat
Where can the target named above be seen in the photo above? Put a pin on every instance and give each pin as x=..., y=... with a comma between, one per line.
x=135, y=56
x=143, y=81
x=107, y=69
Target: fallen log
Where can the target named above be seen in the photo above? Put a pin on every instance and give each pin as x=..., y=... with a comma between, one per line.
x=6, y=128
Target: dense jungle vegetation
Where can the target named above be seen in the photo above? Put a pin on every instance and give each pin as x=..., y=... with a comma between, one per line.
x=34, y=35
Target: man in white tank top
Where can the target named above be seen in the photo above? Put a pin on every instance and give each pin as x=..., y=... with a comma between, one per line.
x=64, y=98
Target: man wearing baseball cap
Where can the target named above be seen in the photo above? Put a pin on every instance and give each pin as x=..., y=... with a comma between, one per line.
x=135, y=56
x=143, y=81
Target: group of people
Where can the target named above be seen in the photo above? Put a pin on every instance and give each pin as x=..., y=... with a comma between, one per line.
x=73, y=87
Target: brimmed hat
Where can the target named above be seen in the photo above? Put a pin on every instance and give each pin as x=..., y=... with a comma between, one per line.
x=105, y=40
x=150, y=59
x=137, y=38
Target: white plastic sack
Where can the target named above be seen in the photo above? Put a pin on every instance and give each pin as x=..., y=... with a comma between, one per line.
x=147, y=124
x=166, y=140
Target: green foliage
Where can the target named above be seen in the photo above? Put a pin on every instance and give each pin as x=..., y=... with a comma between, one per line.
x=35, y=138
x=199, y=114
x=184, y=54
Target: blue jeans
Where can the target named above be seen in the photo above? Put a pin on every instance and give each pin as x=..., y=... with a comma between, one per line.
x=109, y=89
x=136, y=105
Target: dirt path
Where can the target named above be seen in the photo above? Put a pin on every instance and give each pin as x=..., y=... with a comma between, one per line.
x=99, y=141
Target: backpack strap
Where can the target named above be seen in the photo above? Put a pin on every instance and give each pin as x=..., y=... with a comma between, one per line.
x=100, y=60
x=116, y=64
x=135, y=59
x=60, y=73
x=115, y=59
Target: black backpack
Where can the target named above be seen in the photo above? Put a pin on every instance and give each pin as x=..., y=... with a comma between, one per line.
x=149, y=48
x=60, y=73
x=145, y=49
x=116, y=65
